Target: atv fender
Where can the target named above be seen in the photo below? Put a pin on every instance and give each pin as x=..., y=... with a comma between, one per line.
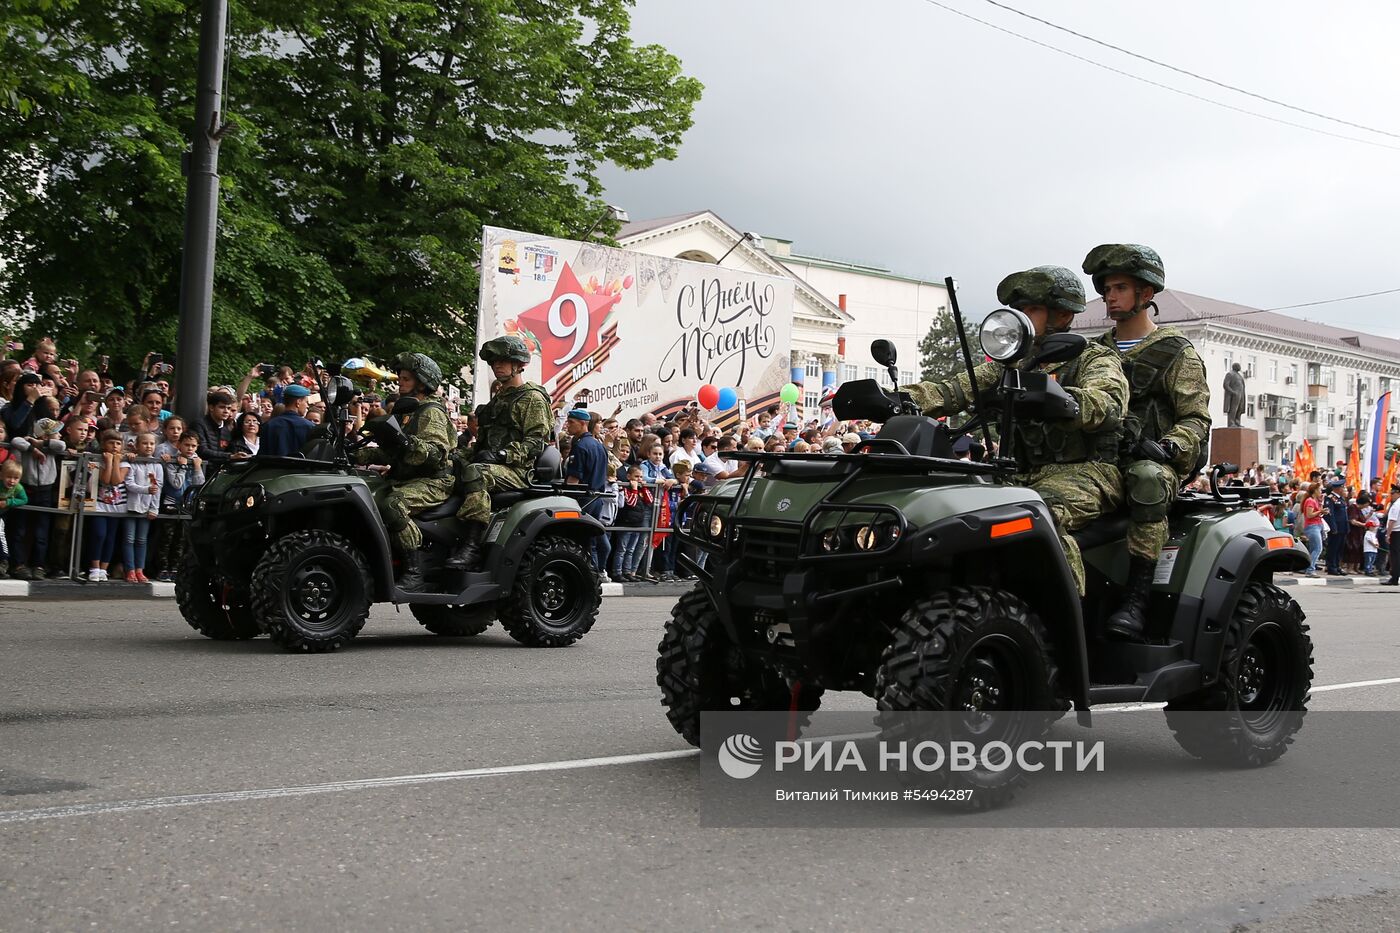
x=527, y=520
x=288, y=511
x=1200, y=620
x=1037, y=572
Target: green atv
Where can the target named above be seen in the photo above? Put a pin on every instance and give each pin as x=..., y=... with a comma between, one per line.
x=294, y=548
x=932, y=583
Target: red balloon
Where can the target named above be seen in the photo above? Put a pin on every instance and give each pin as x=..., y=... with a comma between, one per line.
x=708, y=396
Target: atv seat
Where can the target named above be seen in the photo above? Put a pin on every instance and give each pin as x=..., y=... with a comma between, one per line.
x=548, y=467
x=1103, y=530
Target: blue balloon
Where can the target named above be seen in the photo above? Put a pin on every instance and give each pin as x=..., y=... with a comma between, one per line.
x=728, y=398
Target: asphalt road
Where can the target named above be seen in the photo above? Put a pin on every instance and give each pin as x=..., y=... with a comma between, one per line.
x=119, y=713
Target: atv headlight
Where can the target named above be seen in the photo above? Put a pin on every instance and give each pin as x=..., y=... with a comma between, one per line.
x=1006, y=335
x=248, y=497
x=852, y=532
x=716, y=526
x=831, y=540
x=866, y=538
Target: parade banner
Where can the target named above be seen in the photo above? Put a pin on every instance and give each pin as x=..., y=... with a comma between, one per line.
x=610, y=328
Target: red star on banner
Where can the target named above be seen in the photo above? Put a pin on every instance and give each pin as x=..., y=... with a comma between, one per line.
x=576, y=322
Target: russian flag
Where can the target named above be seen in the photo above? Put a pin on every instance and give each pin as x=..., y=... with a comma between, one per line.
x=1375, y=442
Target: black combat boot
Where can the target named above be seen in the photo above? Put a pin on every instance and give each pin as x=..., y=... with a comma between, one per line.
x=1129, y=621
x=411, y=572
x=467, y=554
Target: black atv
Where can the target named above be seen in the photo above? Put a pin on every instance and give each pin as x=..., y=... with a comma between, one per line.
x=293, y=547
x=932, y=583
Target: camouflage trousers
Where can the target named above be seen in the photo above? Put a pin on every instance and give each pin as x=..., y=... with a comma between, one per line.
x=399, y=502
x=478, y=480
x=1150, y=488
x=1077, y=493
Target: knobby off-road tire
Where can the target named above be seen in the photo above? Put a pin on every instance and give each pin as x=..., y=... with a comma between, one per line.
x=1250, y=716
x=201, y=600
x=555, y=597
x=453, y=620
x=311, y=591
x=978, y=652
x=700, y=670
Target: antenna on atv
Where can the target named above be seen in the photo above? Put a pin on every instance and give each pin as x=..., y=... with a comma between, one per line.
x=974, y=405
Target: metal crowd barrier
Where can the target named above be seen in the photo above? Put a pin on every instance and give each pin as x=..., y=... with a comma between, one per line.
x=74, y=490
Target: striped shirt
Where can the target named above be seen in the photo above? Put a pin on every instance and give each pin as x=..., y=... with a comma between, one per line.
x=1125, y=345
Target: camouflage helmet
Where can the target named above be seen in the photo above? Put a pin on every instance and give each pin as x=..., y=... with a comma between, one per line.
x=508, y=347
x=423, y=368
x=1051, y=286
x=1140, y=262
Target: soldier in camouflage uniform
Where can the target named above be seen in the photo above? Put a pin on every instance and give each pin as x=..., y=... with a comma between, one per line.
x=512, y=430
x=419, y=474
x=1073, y=464
x=1168, y=411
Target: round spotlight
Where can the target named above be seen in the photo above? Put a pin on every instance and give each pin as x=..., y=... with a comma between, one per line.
x=1006, y=335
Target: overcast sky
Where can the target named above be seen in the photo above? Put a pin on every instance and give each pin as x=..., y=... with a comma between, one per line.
x=896, y=133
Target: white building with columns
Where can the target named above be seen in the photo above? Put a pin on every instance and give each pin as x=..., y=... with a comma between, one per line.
x=1303, y=380
x=840, y=306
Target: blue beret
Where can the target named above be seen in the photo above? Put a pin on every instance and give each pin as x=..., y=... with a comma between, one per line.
x=578, y=414
x=296, y=391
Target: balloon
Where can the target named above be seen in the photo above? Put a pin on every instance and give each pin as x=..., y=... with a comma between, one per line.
x=789, y=393
x=708, y=396
x=728, y=398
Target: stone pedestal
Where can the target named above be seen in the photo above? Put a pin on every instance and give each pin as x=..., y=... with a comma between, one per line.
x=1234, y=445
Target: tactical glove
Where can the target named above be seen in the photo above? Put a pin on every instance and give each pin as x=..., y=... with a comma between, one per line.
x=489, y=456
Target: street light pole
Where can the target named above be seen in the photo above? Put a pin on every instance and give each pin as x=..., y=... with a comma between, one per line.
x=201, y=166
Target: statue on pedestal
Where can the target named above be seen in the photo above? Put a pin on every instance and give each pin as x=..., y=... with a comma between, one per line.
x=1234, y=396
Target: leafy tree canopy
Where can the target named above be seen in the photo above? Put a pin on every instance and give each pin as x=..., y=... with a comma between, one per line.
x=370, y=141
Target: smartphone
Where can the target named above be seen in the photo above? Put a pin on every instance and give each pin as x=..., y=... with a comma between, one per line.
x=156, y=358
x=104, y=360
x=267, y=370
x=165, y=368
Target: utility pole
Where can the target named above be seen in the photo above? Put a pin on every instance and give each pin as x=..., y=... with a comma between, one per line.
x=201, y=165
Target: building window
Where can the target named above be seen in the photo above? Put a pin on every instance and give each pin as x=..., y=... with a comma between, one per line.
x=814, y=367
x=1331, y=380
x=1293, y=373
x=1251, y=366
x=1331, y=421
x=811, y=400
x=1273, y=449
x=1351, y=383
x=1385, y=385
x=905, y=377
x=1331, y=457
x=871, y=372
x=1249, y=408
x=1229, y=357
x=849, y=372
x=1273, y=375
x=1363, y=387
x=1314, y=374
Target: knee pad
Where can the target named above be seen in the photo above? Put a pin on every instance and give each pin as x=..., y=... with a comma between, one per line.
x=1148, y=487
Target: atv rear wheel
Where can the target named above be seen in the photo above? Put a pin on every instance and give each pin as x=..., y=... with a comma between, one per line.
x=700, y=670
x=453, y=620
x=310, y=591
x=1250, y=716
x=982, y=654
x=213, y=609
x=555, y=597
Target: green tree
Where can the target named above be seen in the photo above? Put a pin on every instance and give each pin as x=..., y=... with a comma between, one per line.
x=940, y=353
x=370, y=140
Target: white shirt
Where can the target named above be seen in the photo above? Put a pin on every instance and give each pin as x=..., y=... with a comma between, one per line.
x=680, y=455
x=1392, y=517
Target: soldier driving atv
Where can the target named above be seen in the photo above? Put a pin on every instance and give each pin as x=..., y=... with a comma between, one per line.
x=419, y=473
x=512, y=430
x=1073, y=464
x=1168, y=412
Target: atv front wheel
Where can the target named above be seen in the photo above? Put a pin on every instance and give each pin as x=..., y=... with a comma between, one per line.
x=981, y=654
x=700, y=670
x=310, y=591
x=202, y=600
x=453, y=620
x=1250, y=716
x=555, y=597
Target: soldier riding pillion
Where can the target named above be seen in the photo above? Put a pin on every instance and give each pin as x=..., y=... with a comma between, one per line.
x=1168, y=419
x=417, y=457
x=513, y=429
x=1073, y=464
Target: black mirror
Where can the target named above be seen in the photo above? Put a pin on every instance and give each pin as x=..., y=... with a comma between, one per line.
x=1057, y=348
x=863, y=400
x=883, y=352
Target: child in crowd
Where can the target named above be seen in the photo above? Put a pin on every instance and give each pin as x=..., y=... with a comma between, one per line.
x=110, y=507
x=12, y=496
x=5, y=453
x=28, y=534
x=1370, y=544
x=607, y=515
x=633, y=511
x=144, y=477
x=183, y=477
x=681, y=492
x=168, y=449
x=133, y=426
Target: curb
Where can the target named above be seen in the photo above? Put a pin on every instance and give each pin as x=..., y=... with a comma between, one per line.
x=1327, y=581
x=71, y=590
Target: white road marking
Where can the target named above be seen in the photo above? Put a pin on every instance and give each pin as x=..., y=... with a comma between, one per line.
x=408, y=780
x=303, y=790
